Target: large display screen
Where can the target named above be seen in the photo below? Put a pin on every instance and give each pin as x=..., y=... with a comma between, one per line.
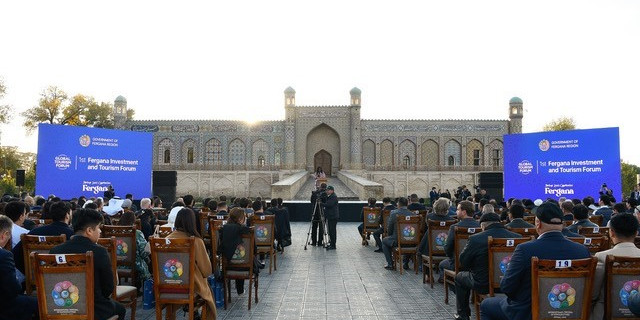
x=573, y=164
x=75, y=161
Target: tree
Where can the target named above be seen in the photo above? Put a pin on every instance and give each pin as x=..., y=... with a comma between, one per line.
x=560, y=124
x=629, y=174
x=55, y=107
x=5, y=109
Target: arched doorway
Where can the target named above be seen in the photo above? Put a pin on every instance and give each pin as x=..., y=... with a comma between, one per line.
x=322, y=159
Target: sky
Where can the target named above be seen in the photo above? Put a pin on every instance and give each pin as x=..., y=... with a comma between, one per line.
x=411, y=59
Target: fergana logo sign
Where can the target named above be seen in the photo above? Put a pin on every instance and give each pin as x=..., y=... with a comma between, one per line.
x=62, y=161
x=544, y=144
x=85, y=140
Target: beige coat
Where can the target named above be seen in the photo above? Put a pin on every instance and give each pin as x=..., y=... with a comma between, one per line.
x=623, y=249
x=202, y=271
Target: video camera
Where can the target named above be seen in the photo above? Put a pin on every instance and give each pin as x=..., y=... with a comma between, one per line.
x=319, y=194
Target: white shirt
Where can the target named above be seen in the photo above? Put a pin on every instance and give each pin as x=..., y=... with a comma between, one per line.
x=171, y=220
x=16, y=231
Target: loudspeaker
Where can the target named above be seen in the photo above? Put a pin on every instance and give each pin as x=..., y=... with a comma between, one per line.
x=488, y=180
x=164, y=186
x=20, y=178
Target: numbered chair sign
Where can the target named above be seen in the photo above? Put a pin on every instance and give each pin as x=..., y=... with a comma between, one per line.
x=42, y=239
x=61, y=258
x=471, y=230
x=442, y=223
x=587, y=241
x=41, y=221
x=407, y=218
x=596, y=229
x=563, y=263
x=510, y=243
x=220, y=217
x=261, y=217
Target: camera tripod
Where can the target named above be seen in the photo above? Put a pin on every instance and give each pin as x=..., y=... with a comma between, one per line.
x=319, y=218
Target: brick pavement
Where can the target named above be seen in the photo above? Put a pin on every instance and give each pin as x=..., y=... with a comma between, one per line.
x=348, y=283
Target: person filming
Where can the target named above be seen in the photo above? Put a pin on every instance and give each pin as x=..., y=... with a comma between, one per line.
x=317, y=197
x=331, y=214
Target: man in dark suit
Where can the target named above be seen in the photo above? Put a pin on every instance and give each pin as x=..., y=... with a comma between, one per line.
x=392, y=238
x=475, y=264
x=331, y=213
x=441, y=210
x=635, y=194
x=386, y=205
x=86, y=225
x=414, y=204
x=516, y=216
x=60, y=212
x=581, y=215
x=13, y=303
x=464, y=213
x=516, y=283
x=605, y=209
x=433, y=195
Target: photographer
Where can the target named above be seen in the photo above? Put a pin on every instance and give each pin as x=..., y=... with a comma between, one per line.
x=331, y=214
x=317, y=197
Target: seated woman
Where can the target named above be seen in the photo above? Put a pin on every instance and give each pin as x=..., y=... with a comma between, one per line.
x=319, y=174
x=231, y=237
x=185, y=227
x=129, y=219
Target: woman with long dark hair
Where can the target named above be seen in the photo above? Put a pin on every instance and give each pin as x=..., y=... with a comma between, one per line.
x=185, y=227
x=231, y=236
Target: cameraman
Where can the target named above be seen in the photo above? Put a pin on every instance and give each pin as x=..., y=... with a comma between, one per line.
x=331, y=213
x=317, y=197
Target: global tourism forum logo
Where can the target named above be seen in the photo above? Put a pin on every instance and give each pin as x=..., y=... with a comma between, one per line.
x=544, y=145
x=85, y=140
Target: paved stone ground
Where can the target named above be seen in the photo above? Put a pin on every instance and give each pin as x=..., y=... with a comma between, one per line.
x=348, y=283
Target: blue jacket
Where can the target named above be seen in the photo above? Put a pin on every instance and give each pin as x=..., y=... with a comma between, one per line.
x=516, y=283
x=10, y=286
x=581, y=223
x=464, y=223
x=606, y=212
x=391, y=228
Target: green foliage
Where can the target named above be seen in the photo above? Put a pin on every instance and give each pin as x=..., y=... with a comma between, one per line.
x=629, y=173
x=560, y=124
x=55, y=107
x=5, y=109
x=8, y=185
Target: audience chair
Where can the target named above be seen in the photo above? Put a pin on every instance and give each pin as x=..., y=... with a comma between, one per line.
x=371, y=218
x=409, y=231
x=214, y=230
x=437, y=232
x=67, y=282
x=240, y=267
x=264, y=228
x=561, y=288
x=204, y=228
x=622, y=278
x=597, y=219
x=125, y=250
x=567, y=223
x=461, y=236
x=41, y=222
x=127, y=295
x=173, y=262
x=385, y=222
x=530, y=219
x=594, y=245
x=39, y=244
x=164, y=231
x=525, y=232
x=596, y=232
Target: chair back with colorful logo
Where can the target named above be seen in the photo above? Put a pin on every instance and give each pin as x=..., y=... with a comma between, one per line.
x=66, y=285
x=39, y=244
x=409, y=230
x=437, y=233
x=173, y=262
x=561, y=289
x=371, y=219
x=623, y=280
x=500, y=251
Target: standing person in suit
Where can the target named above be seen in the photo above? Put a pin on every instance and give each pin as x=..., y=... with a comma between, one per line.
x=475, y=263
x=464, y=213
x=185, y=227
x=516, y=283
x=13, y=303
x=433, y=195
x=332, y=214
x=635, y=194
x=86, y=225
x=624, y=229
x=392, y=239
x=110, y=193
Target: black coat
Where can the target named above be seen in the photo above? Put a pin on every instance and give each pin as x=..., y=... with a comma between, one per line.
x=102, y=273
x=464, y=223
x=10, y=286
x=519, y=223
x=54, y=229
x=230, y=238
x=474, y=256
x=331, y=211
x=416, y=206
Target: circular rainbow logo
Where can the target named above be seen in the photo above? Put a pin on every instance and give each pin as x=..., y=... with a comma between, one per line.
x=121, y=248
x=65, y=294
x=371, y=216
x=240, y=253
x=173, y=269
x=562, y=296
x=441, y=239
x=409, y=231
x=262, y=232
x=504, y=264
x=629, y=288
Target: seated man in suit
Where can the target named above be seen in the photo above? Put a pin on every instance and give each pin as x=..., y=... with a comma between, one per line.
x=86, y=224
x=516, y=216
x=60, y=212
x=605, y=209
x=516, y=283
x=13, y=303
x=371, y=204
x=392, y=239
x=465, y=216
x=567, y=210
x=386, y=205
x=414, y=204
x=474, y=261
x=581, y=214
x=624, y=229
